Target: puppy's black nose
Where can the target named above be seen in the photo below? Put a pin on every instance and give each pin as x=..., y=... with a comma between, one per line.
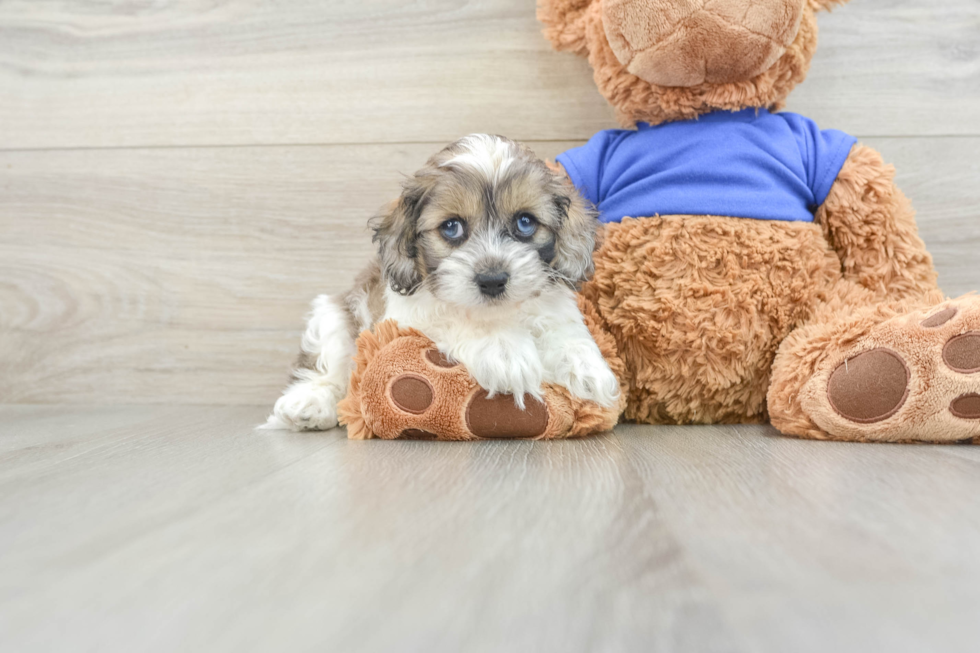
x=492, y=284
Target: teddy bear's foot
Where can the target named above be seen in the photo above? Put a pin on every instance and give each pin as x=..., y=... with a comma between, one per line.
x=404, y=388
x=915, y=377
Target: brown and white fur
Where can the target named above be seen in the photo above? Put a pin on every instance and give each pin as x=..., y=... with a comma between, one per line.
x=482, y=253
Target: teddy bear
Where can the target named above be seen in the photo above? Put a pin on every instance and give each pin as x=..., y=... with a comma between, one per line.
x=753, y=266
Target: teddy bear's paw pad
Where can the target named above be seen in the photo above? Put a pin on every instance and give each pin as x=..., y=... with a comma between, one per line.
x=500, y=417
x=966, y=406
x=962, y=353
x=411, y=393
x=869, y=387
x=439, y=359
x=938, y=319
x=417, y=434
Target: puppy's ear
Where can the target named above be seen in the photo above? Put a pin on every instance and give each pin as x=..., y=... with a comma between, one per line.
x=396, y=233
x=576, y=236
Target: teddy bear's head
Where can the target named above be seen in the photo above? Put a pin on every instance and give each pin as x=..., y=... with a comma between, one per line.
x=662, y=60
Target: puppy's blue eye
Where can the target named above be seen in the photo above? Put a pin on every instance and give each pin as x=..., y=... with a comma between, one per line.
x=452, y=229
x=525, y=225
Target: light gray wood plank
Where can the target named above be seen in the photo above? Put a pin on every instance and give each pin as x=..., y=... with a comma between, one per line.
x=872, y=539
x=194, y=532
x=244, y=72
x=162, y=275
x=894, y=68
x=367, y=548
x=194, y=266
x=241, y=72
x=942, y=178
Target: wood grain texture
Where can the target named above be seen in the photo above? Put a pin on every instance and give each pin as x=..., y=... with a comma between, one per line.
x=110, y=74
x=161, y=275
x=179, y=528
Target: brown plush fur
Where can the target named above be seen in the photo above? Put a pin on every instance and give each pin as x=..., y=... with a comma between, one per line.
x=698, y=306
x=871, y=225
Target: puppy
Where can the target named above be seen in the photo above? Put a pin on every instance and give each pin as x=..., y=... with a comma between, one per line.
x=481, y=253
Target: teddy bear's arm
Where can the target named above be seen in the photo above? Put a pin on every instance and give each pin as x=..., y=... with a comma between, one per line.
x=871, y=225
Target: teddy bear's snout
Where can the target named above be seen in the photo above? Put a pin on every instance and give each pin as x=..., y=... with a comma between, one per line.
x=691, y=42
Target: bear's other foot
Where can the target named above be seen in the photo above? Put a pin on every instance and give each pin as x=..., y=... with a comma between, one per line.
x=915, y=377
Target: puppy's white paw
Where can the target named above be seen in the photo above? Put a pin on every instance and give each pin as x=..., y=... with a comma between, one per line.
x=503, y=366
x=583, y=370
x=304, y=407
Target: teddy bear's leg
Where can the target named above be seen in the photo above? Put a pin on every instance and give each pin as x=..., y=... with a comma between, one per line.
x=892, y=372
x=871, y=226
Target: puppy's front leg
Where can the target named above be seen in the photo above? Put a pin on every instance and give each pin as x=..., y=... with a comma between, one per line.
x=572, y=359
x=322, y=372
x=504, y=363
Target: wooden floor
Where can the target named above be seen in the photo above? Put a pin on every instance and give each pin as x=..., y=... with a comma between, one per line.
x=164, y=529
x=179, y=179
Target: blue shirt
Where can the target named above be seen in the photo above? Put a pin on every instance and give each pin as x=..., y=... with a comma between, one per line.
x=744, y=164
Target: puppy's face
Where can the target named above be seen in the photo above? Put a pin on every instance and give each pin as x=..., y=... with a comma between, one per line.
x=484, y=223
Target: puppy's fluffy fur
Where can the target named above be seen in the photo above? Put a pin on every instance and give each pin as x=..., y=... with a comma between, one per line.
x=481, y=253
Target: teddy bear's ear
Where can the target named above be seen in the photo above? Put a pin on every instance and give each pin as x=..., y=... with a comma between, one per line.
x=565, y=23
x=826, y=4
